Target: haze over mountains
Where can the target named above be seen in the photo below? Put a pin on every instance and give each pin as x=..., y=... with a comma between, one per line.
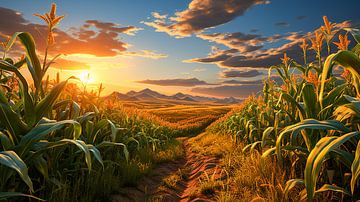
x=153, y=96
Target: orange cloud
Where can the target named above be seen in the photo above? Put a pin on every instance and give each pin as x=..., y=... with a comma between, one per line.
x=69, y=65
x=94, y=37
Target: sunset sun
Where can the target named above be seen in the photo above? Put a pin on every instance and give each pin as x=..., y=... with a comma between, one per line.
x=86, y=77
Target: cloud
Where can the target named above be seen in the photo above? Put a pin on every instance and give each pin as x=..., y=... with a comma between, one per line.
x=282, y=24
x=158, y=15
x=244, y=43
x=261, y=58
x=254, y=30
x=175, y=82
x=239, y=73
x=69, y=65
x=199, y=69
x=239, y=91
x=201, y=15
x=111, y=27
x=146, y=54
x=245, y=82
x=214, y=57
x=94, y=37
x=301, y=17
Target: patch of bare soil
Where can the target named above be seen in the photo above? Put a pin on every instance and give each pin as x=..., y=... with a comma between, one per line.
x=181, y=180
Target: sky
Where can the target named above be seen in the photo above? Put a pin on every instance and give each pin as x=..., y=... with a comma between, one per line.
x=215, y=48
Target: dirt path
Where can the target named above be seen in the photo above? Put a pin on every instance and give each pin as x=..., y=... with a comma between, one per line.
x=181, y=180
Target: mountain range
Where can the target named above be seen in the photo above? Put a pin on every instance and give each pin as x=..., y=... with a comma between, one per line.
x=150, y=95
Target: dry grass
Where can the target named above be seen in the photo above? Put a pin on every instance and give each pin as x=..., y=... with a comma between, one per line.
x=245, y=179
x=251, y=180
x=211, y=144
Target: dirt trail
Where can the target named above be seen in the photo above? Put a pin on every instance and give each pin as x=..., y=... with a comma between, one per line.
x=192, y=169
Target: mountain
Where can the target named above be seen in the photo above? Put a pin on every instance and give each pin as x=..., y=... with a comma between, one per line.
x=229, y=100
x=119, y=96
x=179, y=95
x=187, y=98
x=150, y=95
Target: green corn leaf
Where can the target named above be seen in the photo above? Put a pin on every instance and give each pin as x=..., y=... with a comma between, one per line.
x=265, y=135
x=29, y=44
x=253, y=146
x=290, y=184
x=44, y=128
x=317, y=156
x=8, y=195
x=355, y=169
x=13, y=161
x=294, y=103
x=267, y=153
x=96, y=154
x=308, y=124
x=26, y=98
x=346, y=59
x=5, y=142
x=310, y=100
x=355, y=33
x=112, y=144
x=328, y=187
x=42, y=166
x=82, y=145
x=12, y=122
x=45, y=106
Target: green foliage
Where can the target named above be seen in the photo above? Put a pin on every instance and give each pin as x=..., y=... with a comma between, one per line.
x=309, y=123
x=48, y=138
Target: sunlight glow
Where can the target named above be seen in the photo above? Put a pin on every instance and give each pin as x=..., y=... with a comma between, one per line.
x=86, y=78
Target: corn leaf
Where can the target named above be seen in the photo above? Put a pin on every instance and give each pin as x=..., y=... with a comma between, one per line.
x=13, y=161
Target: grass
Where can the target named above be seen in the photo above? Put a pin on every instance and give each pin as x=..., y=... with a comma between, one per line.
x=172, y=180
x=243, y=176
x=208, y=144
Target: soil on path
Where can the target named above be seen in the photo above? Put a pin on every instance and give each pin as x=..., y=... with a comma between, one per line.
x=179, y=180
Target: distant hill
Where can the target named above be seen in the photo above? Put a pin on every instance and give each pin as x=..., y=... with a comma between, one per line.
x=150, y=95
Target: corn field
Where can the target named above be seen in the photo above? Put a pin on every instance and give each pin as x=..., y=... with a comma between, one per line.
x=59, y=142
x=308, y=123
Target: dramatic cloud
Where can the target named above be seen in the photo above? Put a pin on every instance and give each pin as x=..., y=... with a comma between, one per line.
x=94, y=37
x=282, y=24
x=239, y=73
x=215, y=56
x=176, y=82
x=201, y=15
x=244, y=43
x=239, y=91
x=261, y=58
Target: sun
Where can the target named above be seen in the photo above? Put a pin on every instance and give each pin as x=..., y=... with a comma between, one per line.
x=86, y=77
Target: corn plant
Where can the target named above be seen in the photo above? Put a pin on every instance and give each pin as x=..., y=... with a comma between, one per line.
x=309, y=121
